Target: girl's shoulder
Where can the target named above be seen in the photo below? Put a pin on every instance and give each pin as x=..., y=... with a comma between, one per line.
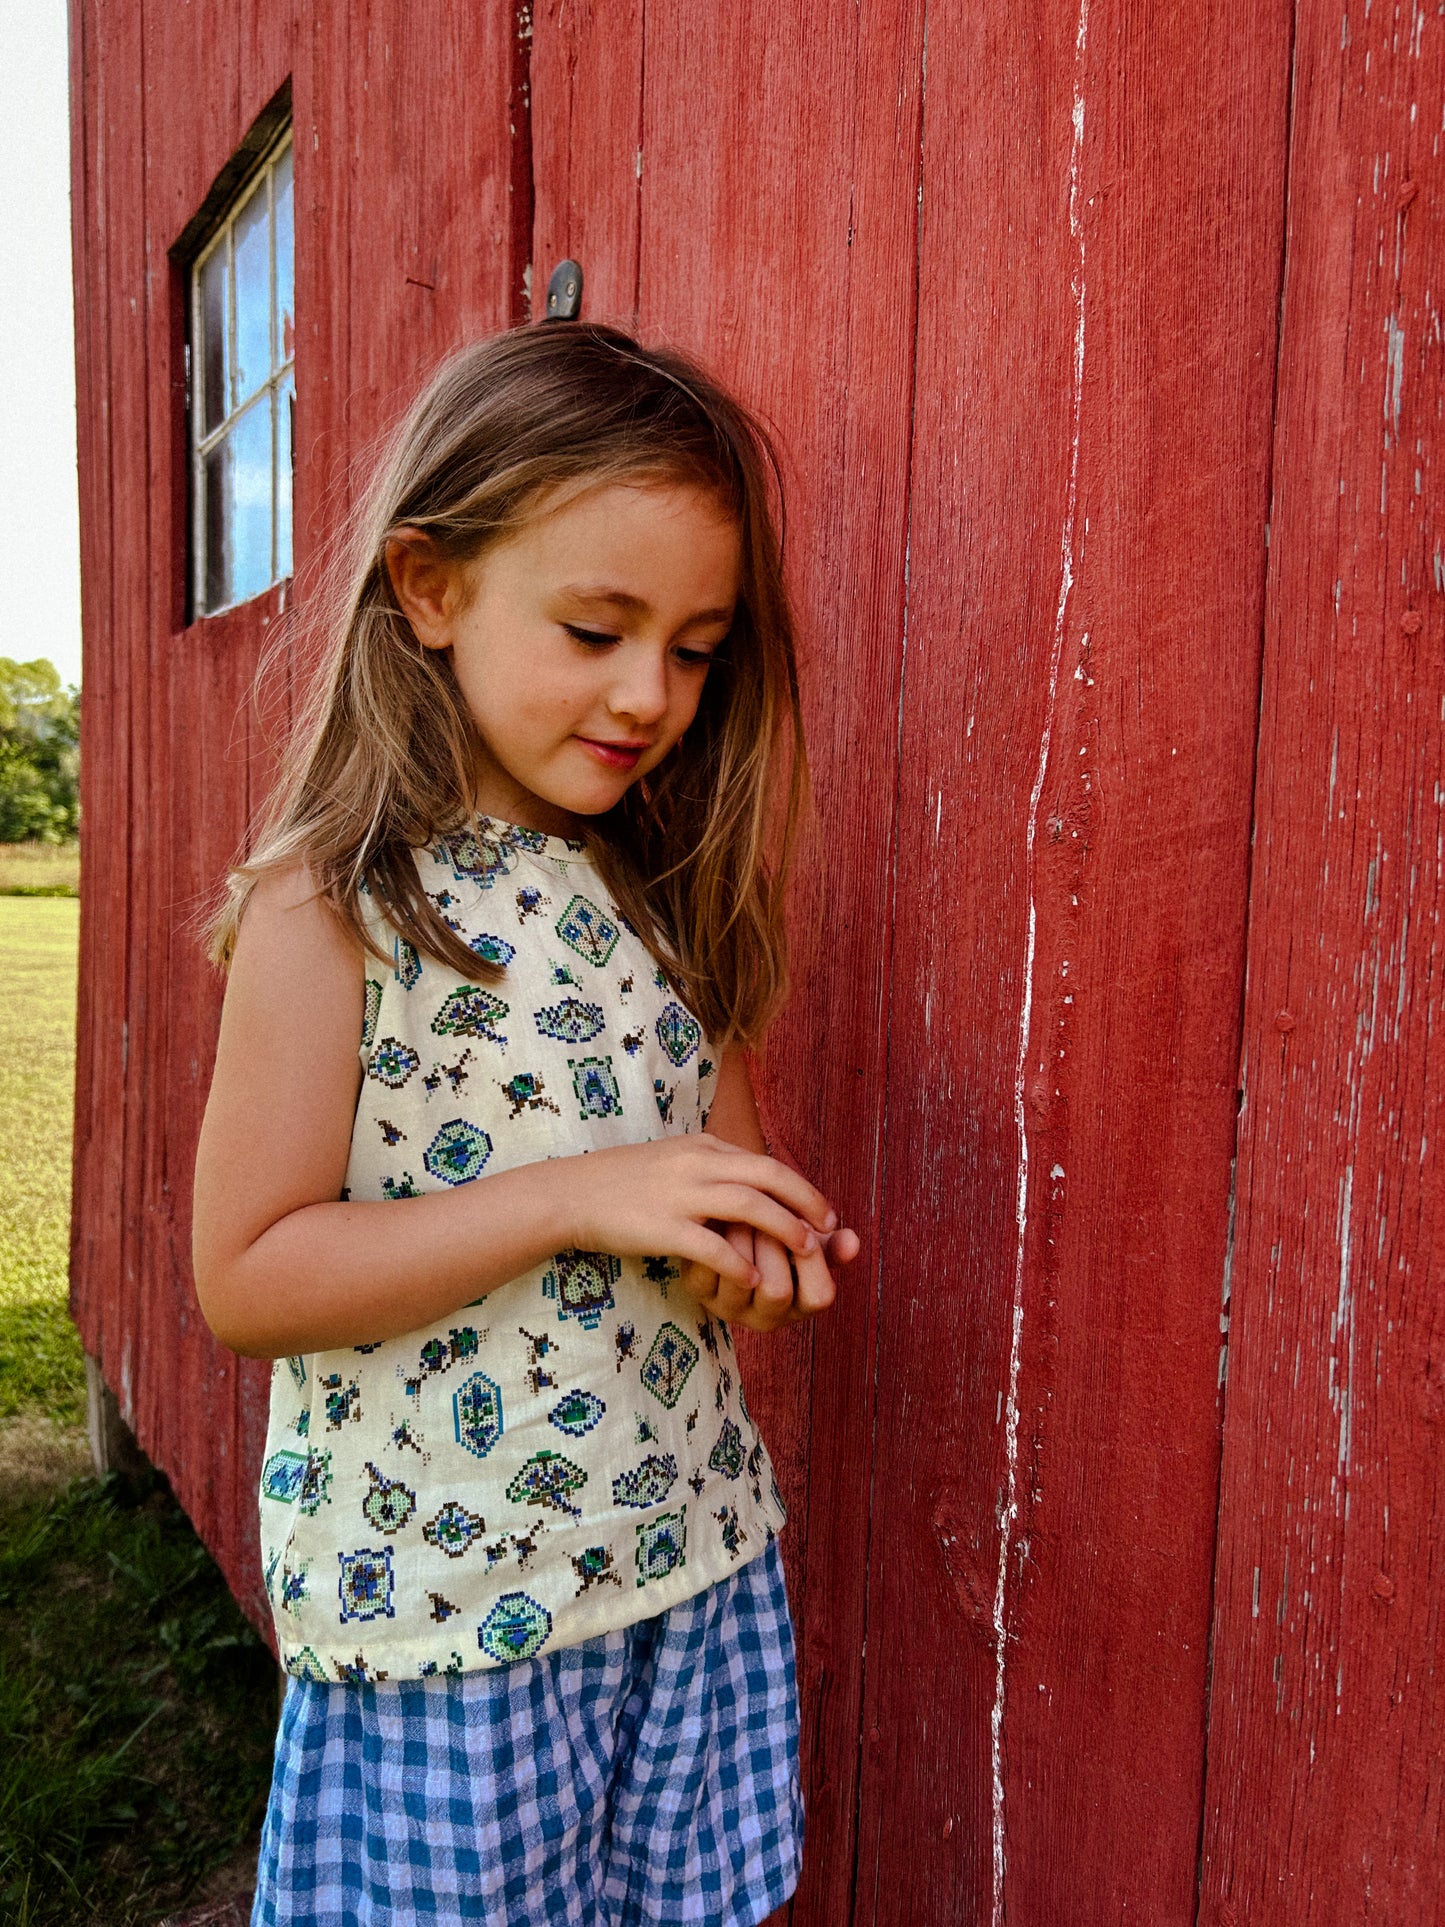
x=288, y=931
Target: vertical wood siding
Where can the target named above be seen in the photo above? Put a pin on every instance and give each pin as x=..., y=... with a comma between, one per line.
x=1326, y=1784
x=178, y=753
x=1011, y=300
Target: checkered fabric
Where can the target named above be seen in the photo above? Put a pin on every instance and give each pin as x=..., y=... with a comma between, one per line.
x=646, y=1775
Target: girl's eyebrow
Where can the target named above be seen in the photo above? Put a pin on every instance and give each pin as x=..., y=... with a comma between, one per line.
x=633, y=605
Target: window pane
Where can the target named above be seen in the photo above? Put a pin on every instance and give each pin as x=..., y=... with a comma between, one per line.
x=213, y=339
x=285, y=257
x=216, y=520
x=253, y=296
x=250, y=442
x=285, y=441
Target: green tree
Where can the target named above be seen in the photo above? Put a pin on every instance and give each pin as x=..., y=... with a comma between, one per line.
x=39, y=753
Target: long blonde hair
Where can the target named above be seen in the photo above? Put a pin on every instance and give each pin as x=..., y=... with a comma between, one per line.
x=381, y=758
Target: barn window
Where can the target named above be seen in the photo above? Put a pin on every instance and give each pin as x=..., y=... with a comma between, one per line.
x=243, y=391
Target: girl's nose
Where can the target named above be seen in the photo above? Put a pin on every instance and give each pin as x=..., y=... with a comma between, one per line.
x=640, y=691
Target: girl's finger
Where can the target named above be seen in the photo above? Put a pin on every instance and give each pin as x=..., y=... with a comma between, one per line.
x=842, y=1246
x=773, y=1298
x=741, y=1237
x=816, y=1289
x=780, y=1181
x=744, y=1204
x=696, y=1244
x=731, y=1301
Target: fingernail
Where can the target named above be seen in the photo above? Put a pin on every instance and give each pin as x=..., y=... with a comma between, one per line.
x=810, y=1243
x=830, y=1223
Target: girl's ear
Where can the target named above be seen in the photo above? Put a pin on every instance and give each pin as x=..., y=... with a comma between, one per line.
x=426, y=585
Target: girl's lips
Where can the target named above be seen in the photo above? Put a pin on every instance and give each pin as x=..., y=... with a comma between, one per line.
x=615, y=755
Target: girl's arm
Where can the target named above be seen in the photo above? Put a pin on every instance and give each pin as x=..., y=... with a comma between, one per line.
x=282, y=1266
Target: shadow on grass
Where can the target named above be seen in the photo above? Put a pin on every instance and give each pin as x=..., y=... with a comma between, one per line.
x=137, y=1708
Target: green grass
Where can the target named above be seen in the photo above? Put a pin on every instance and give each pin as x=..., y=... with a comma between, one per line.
x=136, y=1709
x=41, y=1367
x=39, y=869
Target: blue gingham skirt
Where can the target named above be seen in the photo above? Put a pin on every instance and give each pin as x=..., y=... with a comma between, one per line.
x=649, y=1775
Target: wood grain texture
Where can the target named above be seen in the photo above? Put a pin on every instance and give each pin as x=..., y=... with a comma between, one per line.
x=586, y=78
x=786, y=259
x=1009, y=298
x=100, y=1047
x=430, y=163
x=412, y=228
x=1099, y=249
x=1326, y=1783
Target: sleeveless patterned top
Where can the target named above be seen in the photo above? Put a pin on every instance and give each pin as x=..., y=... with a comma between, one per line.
x=571, y=1452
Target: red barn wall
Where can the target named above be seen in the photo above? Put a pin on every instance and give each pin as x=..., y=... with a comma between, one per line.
x=1086, y=341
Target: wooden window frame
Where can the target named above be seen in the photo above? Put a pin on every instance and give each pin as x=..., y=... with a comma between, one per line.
x=214, y=226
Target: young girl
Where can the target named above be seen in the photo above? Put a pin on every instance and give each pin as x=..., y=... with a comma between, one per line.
x=482, y=1172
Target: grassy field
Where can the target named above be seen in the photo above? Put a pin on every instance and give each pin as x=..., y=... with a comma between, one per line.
x=136, y=1705
x=41, y=1368
x=39, y=869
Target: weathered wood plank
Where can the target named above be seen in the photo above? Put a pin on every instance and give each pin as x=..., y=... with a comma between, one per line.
x=95, y=1260
x=432, y=191
x=587, y=150
x=1326, y=1777
x=197, y=690
x=108, y=1294
x=1099, y=239
x=785, y=257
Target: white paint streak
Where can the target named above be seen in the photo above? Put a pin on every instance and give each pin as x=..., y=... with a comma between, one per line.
x=1394, y=377
x=1010, y=1508
x=1342, y=1396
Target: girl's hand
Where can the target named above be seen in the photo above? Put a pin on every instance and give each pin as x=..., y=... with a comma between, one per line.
x=790, y=1289
x=676, y=1195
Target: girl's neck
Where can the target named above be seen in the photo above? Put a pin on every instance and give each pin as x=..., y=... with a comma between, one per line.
x=508, y=802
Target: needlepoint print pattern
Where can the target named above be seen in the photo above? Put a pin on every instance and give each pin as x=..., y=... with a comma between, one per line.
x=648, y=1484
x=373, y=1011
x=588, y=930
x=389, y=1504
x=550, y=1479
x=458, y=1152
x=678, y=1033
x=453, y=1530
x=527, y=1092
x=727, y=1455
x=471, y=1492
x=570, y=1022
x=470, y=1011
x=393, y=1062
x=661, y=1546
x=581, y=1282
x=596, y=1087
x=366, y=1583
x=515, y=1627
x=315, y=1482
x=668, y=1364
x=477, y=1414
x=577, y=1413
x=491, y=949
x=282, y=1474
x=407, y=967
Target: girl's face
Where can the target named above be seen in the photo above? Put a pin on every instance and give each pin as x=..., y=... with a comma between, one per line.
x=581, y=643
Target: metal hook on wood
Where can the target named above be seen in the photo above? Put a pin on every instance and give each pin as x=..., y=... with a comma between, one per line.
x=564, y=292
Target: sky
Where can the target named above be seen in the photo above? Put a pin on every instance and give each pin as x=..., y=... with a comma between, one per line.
x=39, y=528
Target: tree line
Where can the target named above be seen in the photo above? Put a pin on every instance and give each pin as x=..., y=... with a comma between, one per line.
x=39, y=754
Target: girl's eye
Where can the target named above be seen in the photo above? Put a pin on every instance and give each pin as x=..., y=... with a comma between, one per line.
x=695, y=658
x=595, y=638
